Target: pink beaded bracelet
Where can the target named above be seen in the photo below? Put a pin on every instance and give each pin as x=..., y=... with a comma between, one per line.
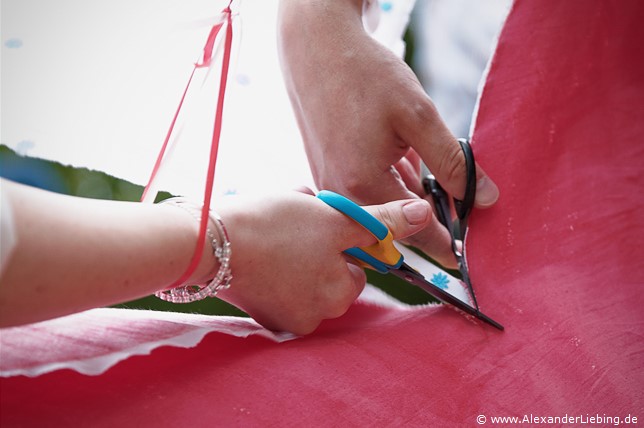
x=221, y=250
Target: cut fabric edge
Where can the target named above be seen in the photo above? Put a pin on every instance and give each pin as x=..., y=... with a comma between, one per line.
x=22, y=347
x=486, y=71
x=192, y=328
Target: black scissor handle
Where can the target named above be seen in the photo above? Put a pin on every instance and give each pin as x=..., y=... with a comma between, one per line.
x=464, y=207
x=441, y=203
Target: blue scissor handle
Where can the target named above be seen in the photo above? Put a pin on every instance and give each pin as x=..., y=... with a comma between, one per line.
x=381, y=256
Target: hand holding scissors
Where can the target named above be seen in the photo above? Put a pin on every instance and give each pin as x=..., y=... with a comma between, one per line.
x=385, y=258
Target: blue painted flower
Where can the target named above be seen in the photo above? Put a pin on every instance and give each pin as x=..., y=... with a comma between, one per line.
x=440, y=280
x=386, y=6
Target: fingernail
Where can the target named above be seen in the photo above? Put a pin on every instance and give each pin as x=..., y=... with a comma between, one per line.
x=486, y=192
x=416, y=212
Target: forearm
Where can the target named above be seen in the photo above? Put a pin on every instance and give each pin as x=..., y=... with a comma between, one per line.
x=314, y=30
x=320, y=8
x=74, y=253
x=322, y=46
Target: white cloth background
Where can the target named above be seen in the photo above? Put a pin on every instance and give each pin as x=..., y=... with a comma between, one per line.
x=95, y=84
x=454, y=40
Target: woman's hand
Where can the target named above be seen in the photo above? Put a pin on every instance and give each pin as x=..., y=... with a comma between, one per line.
x=289, y=270
x=366, y=121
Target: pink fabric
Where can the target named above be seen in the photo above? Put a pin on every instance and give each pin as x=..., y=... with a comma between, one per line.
x=558, y=261
x=93, y=341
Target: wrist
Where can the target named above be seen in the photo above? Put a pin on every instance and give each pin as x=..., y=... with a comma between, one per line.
x=184, y=228
x=316, y=36
x=209, y=269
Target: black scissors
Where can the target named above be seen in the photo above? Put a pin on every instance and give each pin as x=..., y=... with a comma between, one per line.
x=463, y=208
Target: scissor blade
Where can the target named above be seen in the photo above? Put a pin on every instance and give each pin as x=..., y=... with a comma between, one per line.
x=465, y=276
x=443, y=212
x=412, y=276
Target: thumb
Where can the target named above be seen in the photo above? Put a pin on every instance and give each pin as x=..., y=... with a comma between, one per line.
x=447, y=163
x=426, y=132
x=404, y=217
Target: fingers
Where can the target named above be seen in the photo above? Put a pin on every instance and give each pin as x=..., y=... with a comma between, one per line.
x=352, y=285
x=403, y=218
x=408, y=217
x=424, y=130
x=409, y=169
x=414, y=222
x=436, y=242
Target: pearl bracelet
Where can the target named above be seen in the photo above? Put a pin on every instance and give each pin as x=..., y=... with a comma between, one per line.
x=221, y=250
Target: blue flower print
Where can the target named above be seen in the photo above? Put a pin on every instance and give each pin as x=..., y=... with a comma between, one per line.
x=440, y=280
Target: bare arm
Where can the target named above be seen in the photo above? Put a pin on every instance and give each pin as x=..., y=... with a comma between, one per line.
x=289, y=270
x=74, y=253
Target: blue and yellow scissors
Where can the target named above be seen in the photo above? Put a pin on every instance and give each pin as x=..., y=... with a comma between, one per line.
x=384, y=257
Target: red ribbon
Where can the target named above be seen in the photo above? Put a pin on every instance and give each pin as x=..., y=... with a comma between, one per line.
x=214, y=148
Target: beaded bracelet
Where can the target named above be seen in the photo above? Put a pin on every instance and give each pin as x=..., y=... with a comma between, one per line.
x=221, y=250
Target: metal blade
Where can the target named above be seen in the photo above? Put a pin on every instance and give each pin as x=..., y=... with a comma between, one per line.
x=412, y=276
x=465, y=276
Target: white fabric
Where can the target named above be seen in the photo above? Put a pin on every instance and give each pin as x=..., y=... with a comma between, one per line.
x=454, y=40
x=93, y=341
x=95, y=84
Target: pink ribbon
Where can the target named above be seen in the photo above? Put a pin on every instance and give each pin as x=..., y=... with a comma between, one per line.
x=214, y=148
